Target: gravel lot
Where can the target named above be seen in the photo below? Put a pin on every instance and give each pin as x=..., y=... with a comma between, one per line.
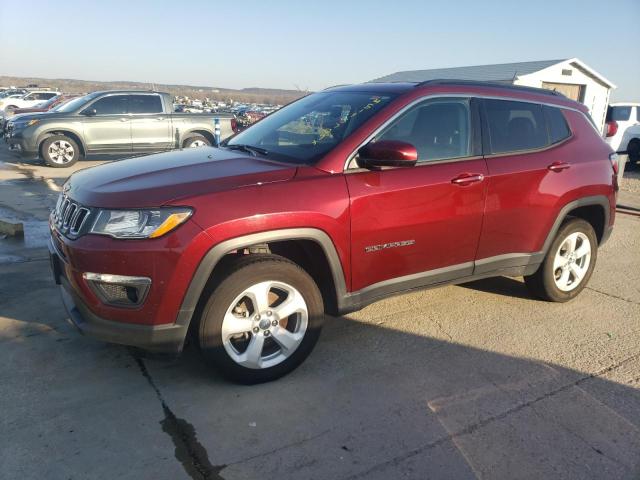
x=470, y=381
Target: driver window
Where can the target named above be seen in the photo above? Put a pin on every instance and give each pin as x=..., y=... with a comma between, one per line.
x=439, y=129
x=111, y=105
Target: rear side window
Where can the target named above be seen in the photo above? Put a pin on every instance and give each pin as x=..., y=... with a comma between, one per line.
x=558, y=128
x=111, y=105
x=145, y=104
x=515, y=126
x=618, y=114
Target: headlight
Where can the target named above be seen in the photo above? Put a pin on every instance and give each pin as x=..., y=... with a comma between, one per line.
x=151, y=223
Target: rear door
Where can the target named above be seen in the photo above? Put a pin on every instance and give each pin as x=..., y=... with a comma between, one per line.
x=529, y=166
x=108, y=130
x=150, y=126
x=418, y=225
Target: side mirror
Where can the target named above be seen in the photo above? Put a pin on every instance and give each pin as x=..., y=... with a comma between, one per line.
x=90, y=112
x=387, y=153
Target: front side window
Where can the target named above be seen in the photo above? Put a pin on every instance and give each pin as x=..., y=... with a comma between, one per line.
x=308, y=129
x=145, y=104
x=515, y=126
x=439, y=129
x=111, y=105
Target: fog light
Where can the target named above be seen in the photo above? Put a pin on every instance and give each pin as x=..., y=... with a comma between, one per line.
x=118, y=290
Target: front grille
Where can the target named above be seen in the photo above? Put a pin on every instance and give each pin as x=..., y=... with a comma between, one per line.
x=70, y=217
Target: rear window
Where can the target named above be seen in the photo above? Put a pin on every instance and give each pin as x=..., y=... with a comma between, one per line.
x=557, y=125
x=515, y=126
x=145, y=104
x=618, y=114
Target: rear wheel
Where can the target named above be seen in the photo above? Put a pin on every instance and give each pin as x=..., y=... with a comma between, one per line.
x=568, y=265
x=197, y=141
x=262, y=320
x=60, y=151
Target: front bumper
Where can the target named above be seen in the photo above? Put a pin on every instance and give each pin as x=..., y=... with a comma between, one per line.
x=20, y=145
x=166, y=338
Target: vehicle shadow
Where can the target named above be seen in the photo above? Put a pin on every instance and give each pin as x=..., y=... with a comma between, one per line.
x=387, y=393
x=507, y=286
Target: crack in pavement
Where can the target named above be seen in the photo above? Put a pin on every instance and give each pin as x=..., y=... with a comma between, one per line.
x=612, y=296
x=482, y=423
x=188, y=450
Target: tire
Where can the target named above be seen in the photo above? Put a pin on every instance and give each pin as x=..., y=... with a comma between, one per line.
x=245, y=341
x=60, y=151
x=197, y=141
x=633, y=149
x=557, y=279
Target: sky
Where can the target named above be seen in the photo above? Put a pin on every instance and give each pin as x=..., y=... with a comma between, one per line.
x=295, y=44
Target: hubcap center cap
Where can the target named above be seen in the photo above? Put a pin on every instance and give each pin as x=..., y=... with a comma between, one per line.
x=264, y=324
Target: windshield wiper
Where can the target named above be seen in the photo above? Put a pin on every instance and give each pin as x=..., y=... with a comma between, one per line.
x=248, y=148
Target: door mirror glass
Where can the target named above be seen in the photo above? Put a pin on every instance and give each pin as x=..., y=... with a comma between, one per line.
x=90, y=112
x=387, y=153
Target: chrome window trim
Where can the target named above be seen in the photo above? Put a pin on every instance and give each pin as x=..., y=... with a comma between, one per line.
x=351, y=156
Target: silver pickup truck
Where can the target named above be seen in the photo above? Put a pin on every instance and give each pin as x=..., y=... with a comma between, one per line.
x=112, y=122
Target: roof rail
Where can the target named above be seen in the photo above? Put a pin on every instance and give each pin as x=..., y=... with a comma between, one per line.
x=479, y=83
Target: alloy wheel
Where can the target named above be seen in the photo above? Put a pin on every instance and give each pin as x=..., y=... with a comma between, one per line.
x=571, y=261
x=61, y=152
x=264, y=325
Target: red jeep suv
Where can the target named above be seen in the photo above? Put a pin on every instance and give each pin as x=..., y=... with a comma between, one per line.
x=339, y=199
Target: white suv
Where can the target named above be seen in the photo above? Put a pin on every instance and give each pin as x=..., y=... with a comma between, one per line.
x=623, y=129
x=28, y=100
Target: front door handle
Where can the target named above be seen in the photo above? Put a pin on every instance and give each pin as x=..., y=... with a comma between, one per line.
x=467, y=179
x=559, y=166
x=124, y=119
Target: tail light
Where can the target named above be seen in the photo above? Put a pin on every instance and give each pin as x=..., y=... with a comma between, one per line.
x=234, y=125
x=612, y=128
x=613, y=157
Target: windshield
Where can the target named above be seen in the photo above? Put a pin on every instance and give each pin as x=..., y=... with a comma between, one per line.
x=49, y=102
x=75, y=103
x=306, y=130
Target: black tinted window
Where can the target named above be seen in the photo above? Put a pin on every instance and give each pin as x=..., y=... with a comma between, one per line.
x=439, y=129
x=558, y=128
x=145, y=104
x=515, y=126
x=112, y=105
x=619, y=114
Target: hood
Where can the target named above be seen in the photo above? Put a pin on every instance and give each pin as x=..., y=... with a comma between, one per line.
x=158, y=179
x=26, y=116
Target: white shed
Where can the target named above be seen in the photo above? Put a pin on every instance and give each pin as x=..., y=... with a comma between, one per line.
x=571, y=77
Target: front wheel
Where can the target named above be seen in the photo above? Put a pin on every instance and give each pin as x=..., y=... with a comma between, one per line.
x=60, y=151
x=568, y=265
x=262, y=320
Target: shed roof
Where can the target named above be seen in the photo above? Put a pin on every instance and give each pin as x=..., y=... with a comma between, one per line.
x=502, y=72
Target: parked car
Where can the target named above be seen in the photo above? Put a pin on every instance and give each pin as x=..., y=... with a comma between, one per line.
x=27, y=100
x=413, y=185
x=12, y=91
x=111, y=122
x=623, y=130
x=46, y=106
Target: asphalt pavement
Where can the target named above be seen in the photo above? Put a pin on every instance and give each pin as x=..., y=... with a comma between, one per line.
x=470, y=381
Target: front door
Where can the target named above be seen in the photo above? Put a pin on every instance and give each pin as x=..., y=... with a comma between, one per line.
x=108, y=129
x=150, y=126
x=413, y=226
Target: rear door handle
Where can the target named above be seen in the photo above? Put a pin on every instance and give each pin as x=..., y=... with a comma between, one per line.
x=124, y=119
x=467, y=179
x=559, y=166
